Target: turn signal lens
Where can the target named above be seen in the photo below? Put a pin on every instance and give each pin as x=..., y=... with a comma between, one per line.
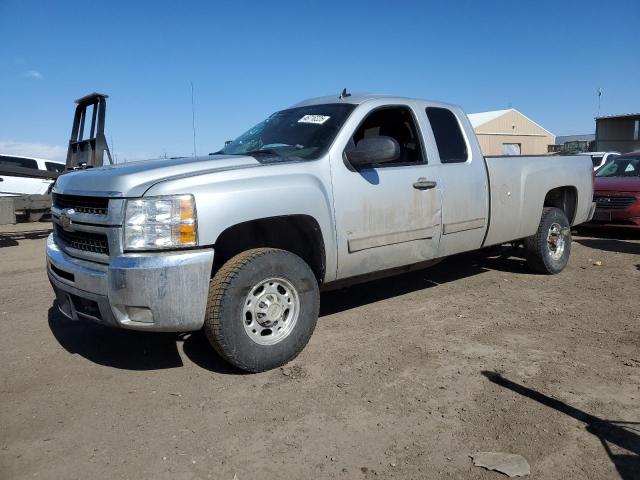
x=188, y=234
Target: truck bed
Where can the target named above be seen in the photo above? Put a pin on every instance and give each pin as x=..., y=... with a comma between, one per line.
x=512, y=179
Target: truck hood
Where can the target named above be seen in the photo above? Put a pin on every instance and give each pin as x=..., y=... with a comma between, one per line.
x=619, y=184
x=135, y=178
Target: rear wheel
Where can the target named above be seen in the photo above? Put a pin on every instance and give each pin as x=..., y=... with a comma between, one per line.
x=549, y=249
x=262, y=308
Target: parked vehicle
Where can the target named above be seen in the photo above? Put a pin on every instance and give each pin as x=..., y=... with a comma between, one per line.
x=23, y=185
x=617, y=193
x=327, y=192
x=599, y=159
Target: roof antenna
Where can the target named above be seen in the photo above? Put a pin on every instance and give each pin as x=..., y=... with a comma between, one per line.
x=344, y=94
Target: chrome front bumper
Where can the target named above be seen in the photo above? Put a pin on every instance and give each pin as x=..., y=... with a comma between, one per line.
x=143, y=291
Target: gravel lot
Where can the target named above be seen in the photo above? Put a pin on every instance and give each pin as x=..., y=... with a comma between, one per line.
x=404, y=378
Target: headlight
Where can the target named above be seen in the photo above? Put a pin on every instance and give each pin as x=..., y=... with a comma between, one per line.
x=155, y=223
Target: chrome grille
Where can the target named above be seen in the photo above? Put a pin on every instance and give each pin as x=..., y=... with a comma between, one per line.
x=81, y=204
x=613, y=202
x=84, y=241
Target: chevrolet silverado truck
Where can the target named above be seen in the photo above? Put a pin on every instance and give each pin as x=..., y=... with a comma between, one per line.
x=330, y=191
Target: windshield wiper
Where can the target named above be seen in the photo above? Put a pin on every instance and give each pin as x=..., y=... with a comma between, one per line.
x=268, y=151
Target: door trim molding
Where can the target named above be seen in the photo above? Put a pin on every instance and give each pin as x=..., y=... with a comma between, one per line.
x=456, y=227
x=374, y=241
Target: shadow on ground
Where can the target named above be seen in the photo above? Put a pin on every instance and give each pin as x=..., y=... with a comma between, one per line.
x=12, y=239
x=610, y=240
x=503, y=259
x=610, y=432
x=133, y=350
x=611, y=245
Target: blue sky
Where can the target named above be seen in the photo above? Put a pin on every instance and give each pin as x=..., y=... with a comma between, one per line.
x=250, y=58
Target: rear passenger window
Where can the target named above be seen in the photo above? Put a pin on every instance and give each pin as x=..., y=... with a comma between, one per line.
x=449, y=140
x=18, y=162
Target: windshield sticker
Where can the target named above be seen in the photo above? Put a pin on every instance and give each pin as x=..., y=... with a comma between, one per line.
x=316, y=119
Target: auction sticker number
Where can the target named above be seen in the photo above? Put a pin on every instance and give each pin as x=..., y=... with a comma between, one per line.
x=315, y=119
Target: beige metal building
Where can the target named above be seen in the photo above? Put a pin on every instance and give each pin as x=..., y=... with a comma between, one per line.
x=509, y=132
x=620, y=133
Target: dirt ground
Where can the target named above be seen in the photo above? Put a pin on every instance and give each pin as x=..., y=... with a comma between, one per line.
x=404, y=378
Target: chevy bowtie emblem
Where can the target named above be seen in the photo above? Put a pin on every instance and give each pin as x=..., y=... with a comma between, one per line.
x=64, y=221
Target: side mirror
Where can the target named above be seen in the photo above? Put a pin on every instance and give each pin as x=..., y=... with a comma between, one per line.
x=374, y=150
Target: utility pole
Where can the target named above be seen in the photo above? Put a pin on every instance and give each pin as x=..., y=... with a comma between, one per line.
x=599, y=96
x=193, y=121
x=115, y=157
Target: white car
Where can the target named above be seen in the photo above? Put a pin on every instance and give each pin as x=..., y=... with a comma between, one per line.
x=18, y=185
x=600, y=158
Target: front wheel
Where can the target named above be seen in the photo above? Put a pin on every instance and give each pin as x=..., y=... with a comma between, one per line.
x=548, y=250
x=262, y=308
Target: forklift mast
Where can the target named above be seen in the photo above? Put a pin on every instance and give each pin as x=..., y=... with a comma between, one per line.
x=88, y=143
x=86, y=149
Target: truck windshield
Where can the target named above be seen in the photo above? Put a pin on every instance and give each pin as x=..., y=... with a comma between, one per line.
x=303, y=132
x=621, y=167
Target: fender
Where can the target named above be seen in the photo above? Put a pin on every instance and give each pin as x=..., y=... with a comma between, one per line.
x=225, y=199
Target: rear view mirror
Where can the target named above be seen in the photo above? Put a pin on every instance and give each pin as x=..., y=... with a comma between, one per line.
x=374, y=150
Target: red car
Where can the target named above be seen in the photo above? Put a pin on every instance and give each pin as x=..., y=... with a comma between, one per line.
x=617, y=192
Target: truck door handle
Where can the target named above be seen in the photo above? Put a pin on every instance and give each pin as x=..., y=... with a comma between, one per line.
x=424, y=184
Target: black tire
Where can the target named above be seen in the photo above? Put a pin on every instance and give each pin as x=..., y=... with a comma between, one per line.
x=224, y=321
x=539, y=255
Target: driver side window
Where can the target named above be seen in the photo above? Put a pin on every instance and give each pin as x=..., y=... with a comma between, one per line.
x=395, y=122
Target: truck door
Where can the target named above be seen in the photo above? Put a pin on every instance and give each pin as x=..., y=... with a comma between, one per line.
x=387, y=215
x=462, y=179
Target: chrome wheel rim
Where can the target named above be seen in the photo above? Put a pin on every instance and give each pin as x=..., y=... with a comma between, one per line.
x=555, y=241
x=270, y=311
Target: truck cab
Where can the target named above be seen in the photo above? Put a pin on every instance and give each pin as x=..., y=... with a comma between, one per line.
x=393, y=213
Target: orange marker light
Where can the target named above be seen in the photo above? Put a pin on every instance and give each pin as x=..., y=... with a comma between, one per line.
x=188, y=234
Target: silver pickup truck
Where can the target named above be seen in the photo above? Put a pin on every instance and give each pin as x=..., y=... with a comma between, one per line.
x=330, y=191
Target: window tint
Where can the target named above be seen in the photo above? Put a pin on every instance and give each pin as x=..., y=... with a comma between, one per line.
x=395, y=122
x=54, y=167
x=451, y=145
x=621, y=167
x=18, y=162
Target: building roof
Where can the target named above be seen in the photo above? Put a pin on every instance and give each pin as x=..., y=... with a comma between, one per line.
x=480, y=118
x=585, y=137
x=622, y=115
